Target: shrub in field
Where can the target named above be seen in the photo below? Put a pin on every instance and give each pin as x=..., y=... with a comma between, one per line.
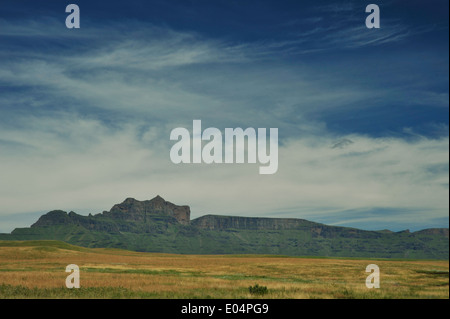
x=258, y=290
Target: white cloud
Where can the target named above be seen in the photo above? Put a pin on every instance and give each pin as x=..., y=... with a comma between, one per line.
x=78, y=164
x=93, y=129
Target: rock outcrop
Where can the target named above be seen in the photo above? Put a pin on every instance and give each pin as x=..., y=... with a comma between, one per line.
x=139, y=211
x=435, y=231
x=129, y=216
x=217, y=222
x=54, y=217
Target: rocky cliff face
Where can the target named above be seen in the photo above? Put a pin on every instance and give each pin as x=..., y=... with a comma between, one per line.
x=435, y=231
x=55, y=217
x=140, y=211
x=137, y=213
x=216, y=222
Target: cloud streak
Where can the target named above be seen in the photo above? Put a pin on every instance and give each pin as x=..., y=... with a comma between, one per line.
x=84, y=129
x=74, y=163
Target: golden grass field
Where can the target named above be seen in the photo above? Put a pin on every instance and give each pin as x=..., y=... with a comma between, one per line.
x=37, y=270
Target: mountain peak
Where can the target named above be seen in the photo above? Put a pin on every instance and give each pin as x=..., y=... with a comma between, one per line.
x=158, y=199
x=129, y=200
x=139, y=211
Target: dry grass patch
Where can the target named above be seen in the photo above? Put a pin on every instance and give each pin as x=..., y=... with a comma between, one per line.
x=112, y=273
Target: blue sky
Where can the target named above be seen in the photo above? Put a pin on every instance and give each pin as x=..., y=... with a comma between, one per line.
x=86, y=114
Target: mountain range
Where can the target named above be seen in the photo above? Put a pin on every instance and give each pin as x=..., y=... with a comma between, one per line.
x=157, y=225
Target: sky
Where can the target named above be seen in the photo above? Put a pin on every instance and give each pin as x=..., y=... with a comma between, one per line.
x=362, y=114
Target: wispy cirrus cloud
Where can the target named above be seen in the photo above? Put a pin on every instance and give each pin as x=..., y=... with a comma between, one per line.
x=85, y=120
x=178, y=75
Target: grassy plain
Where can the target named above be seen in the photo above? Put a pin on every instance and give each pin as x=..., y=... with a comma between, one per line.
x=36, y=269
